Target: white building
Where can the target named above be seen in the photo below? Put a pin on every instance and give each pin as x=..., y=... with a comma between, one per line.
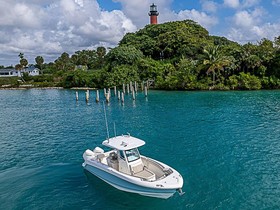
x=32, y=71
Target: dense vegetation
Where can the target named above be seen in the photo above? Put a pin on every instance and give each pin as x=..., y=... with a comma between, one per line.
x=176, y=55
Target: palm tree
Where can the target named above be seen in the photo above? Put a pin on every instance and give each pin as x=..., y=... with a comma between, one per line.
x=101, y=52
x=21, y=55
x=40, y=61
x=215, y=61
x=18, y=67
x=23, y=62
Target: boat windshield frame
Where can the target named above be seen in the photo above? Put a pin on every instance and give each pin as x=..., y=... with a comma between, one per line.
x=132, y=154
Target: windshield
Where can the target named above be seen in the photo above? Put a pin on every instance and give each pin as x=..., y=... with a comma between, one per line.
x=132, y=154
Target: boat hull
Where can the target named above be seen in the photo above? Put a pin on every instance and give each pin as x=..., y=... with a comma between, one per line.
x=109, y=177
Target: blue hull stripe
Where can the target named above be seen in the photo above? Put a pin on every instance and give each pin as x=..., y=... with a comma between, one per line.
x=125, y=185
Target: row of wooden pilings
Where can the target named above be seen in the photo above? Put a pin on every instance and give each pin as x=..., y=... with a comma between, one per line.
x=126, y=89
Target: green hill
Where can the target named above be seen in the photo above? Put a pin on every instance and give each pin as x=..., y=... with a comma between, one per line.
x=178, y=55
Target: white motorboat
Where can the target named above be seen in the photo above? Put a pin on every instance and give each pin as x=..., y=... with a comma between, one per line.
x=125, y=169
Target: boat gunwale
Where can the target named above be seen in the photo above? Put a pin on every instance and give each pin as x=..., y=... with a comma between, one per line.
x=136, y=180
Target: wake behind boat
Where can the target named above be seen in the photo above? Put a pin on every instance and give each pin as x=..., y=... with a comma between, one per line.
x=125, y=169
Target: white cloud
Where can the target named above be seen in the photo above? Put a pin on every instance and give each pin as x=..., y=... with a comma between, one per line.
x=53, y=27
x=245, y=19
x=250, y=3
x=248, y=26
x=19, y=14
x=236, y=4
x=255, y=33
x=276, y=2
x=200, y=17
x=231, y=3
x=136, y=10
x=50, y=28
x=209, y=6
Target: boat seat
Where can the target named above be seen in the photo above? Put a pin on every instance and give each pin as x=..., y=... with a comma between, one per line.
x=100, y=157
x=137, y=168
x=143, y=172
x=112, y=161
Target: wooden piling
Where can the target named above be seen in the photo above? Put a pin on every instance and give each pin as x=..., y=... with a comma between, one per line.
x=127, y=86
x=122, y=97
x=97, y=95
x=135, y=86
x=119, y=95
x=109, y=92
x=146, y=91
x=87, y=95
x=133, y=95
x=108, y=97
x=123, y=88
x=105, y=92
x=115, y=90
x=130, y=86
x=142, y=85
x=77, y=96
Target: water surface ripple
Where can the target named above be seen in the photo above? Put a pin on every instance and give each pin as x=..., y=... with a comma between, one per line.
x=225, y=144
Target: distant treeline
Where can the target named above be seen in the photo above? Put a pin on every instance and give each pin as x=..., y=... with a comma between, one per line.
x=178, y=55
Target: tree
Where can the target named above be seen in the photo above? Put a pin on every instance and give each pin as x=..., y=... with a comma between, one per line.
x=167, y=79
x=170, y=40
x=249, y=82
x=85, y=58
x=75, y=59
x=64, y=63
x=121, y=74
x=148, y=68
x=266, y=51
x=214, y=61
x=21, y=56
x=18, y=67
x=277, y=42
x=124, y=55
x=101, y=52
x=23, y=62
x=274, y=68
x=187, y=73
x=39, y=62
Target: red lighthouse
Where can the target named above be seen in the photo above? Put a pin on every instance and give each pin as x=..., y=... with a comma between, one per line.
x=153, y=14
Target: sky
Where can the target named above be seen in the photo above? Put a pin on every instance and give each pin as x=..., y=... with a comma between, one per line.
x=50, y=27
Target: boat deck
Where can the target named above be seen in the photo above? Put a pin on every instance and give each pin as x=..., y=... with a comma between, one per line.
x=149, y=170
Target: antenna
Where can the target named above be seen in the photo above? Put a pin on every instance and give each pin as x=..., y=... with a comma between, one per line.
x=115, y=129
x=106, y=121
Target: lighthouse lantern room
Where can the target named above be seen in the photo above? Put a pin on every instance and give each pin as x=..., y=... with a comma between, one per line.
x=153, y=14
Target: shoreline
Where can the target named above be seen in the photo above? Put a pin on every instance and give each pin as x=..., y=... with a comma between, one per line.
x=46, y=88
x=27, y=88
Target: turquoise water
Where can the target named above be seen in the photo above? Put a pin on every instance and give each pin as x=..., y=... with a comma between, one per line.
x=226, y=145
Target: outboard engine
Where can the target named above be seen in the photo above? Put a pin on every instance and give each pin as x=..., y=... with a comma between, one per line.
x=98, y=150
x=92, y=155
x=89, y=153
